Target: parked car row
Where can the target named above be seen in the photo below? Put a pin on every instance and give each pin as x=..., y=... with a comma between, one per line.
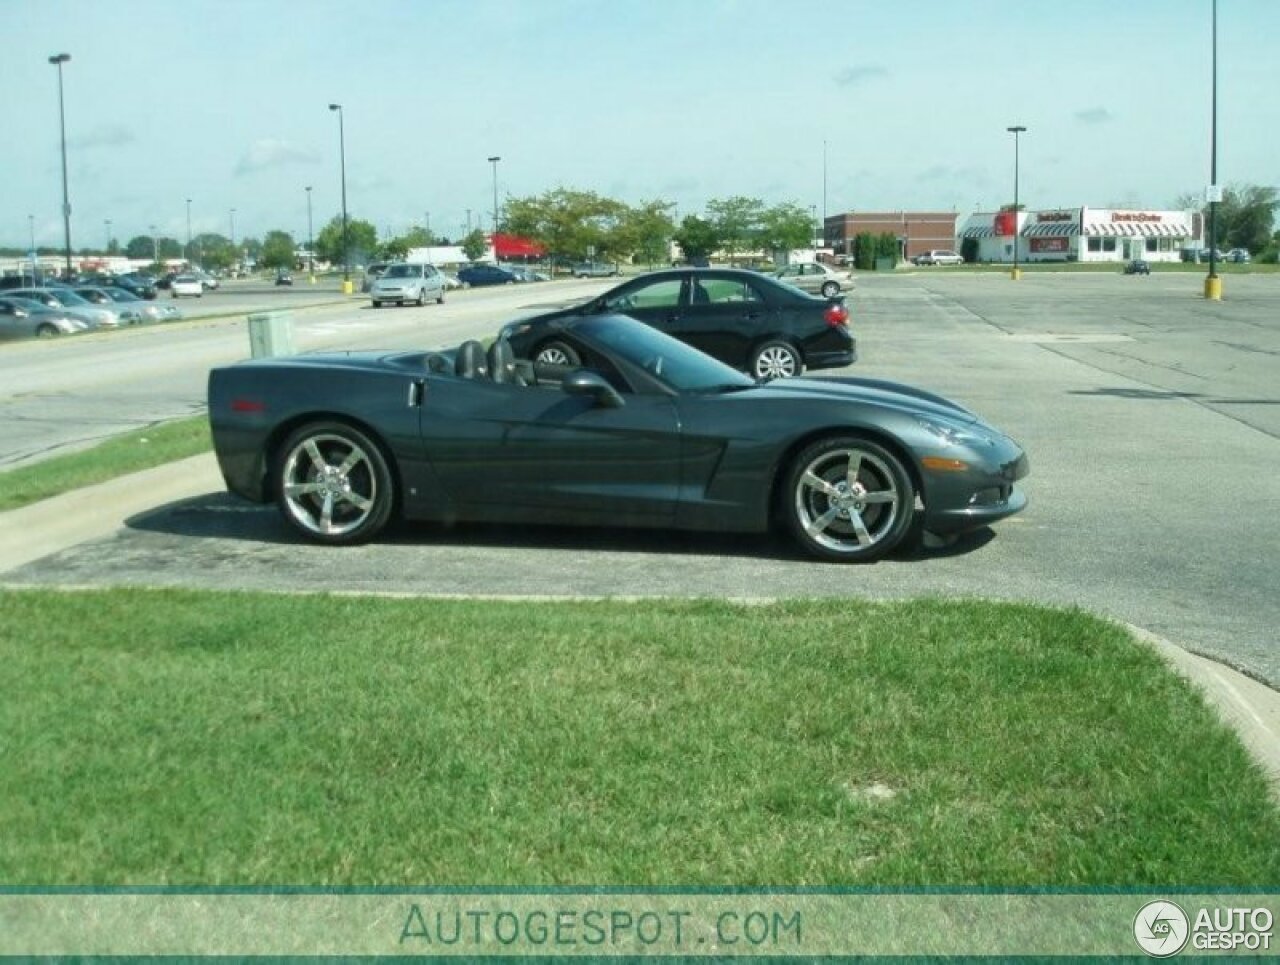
x=58, y=309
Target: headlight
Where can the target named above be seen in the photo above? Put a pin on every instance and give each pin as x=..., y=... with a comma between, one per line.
x=955, y=435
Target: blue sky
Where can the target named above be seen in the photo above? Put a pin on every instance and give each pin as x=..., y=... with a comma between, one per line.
x=685, y=100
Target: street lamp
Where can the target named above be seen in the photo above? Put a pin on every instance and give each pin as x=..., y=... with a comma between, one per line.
x=494, y=161
x=342, y=151
x=311, y=245
x=1015, y=131
x=31, y=223
x=1212, y=283
x=155, y=245
x=188, y=251
x=107, y=224
x=58, y=60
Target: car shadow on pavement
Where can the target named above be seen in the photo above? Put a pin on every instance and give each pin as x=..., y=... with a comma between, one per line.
x=227, y=517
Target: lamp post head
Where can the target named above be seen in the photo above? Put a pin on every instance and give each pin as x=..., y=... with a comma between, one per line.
x=59, y=58
x=1016, y=129
x=335, y=107
x=495, y=160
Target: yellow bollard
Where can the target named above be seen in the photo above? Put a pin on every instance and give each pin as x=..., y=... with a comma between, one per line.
x=1213, y=288
x=1016, y=274
x=348, y=286
x=313, y=279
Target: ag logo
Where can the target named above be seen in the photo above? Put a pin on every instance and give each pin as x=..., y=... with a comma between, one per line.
x=1161, y=928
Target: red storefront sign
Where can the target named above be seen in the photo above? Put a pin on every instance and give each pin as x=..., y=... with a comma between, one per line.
x=1050, y=244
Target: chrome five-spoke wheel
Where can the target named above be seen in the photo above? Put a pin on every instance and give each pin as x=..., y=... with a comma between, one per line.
x=334, y=483
x=557, y=353
x=849, y=499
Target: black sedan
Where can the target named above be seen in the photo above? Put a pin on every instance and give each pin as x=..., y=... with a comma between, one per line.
x=744, y=319
x=647, y=431
x=477, y=275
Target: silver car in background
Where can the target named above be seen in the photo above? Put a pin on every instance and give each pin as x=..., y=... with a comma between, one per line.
x=20, y=318
x=106, y=296
x=816, y=278
x=404, y=283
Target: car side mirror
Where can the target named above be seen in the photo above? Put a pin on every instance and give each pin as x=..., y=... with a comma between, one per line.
x=593, y=384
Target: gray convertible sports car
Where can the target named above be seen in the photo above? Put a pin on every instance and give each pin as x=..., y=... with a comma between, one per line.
x=645, y=431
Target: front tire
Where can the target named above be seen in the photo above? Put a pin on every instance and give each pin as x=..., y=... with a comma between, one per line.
x=776, y=360
x=557, y=353
x=422, y=297
x=848, y=500
x=440, y=297
x=333, y=483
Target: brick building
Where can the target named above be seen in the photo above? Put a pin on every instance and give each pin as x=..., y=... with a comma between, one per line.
x=916, y=231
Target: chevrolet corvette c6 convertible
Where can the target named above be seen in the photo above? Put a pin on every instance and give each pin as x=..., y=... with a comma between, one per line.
x=643, y=431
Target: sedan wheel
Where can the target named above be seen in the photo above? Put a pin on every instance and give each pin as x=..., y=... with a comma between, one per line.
x=776, y=360
x=334, y=484
x=422, y=297
x=557, y=353
x=46, y=331
x=830, y=289
x=440, y=296
x=849, y=500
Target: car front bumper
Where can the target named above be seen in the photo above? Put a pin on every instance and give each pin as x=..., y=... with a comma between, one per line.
x=984, y=492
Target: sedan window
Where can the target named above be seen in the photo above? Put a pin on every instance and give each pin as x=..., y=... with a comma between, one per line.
x=720, y=291
x=659, y=294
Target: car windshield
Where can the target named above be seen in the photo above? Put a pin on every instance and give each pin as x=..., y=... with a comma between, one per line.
x=68, y=297
x=673, y=362
x=403, y=271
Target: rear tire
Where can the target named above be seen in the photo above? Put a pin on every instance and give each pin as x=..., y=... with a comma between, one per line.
x=775, y=360
x=557, y=353
x=47, y=331
x=830, y=289
x=333, y=483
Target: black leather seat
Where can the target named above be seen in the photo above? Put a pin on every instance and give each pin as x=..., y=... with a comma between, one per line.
x=471, y=362
x=504, y=366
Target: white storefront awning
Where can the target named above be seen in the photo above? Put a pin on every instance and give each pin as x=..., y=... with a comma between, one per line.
x=1051, y=229
x=1136, y=224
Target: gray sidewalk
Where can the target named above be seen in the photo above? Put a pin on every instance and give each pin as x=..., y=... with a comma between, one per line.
x=27, y=534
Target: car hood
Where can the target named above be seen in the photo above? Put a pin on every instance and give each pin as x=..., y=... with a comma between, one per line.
x=878, y=392
x=385, y=282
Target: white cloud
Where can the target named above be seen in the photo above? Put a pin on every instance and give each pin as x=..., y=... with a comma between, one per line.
x=272, y=153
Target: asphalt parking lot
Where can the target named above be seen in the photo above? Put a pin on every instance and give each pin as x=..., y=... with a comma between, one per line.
x=1151, y=417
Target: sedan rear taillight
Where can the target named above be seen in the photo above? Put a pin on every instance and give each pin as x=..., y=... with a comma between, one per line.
x=836, y=315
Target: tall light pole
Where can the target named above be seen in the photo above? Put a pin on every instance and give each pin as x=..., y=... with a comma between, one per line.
x=342, y=152
x=31, y=223
x=58, y=60
x=232, y=215
x=1212, y=283
x=311, y=245
x=824, y=188
x=188, y=251
x=155, y=245
x=107, y=224
x=494, y=161
x=1015, y=131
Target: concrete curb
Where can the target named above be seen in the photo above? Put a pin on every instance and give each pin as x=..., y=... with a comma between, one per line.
x=1250, y=708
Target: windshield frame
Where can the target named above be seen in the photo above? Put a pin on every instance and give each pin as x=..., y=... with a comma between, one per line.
x=672, y=363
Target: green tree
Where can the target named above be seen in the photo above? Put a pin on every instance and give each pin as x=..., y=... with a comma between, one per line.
x=738, y=222
x=277, y=250
x=646, y=231
x=1245, y=217
x=213, y=250
x=697, y=238
x=140, y=246
x=785, y=227
x=571, y=223
x=475, y=244
x=362, y=239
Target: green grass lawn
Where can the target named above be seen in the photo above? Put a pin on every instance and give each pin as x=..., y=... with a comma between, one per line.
x=175, y=737
x=130, y=452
